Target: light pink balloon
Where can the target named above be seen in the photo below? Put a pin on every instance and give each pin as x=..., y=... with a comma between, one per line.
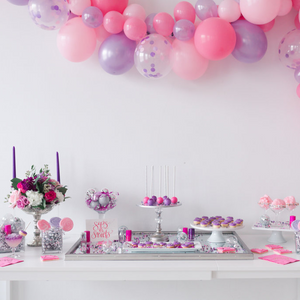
x=297, y=22
x=78, y=6
x=184, y=10
x=260, y=11
x=163, y=24
x=135, y=28
x=285, y=7
x=229, y=10
x=113, y=22
x=135, y=10
x=75, y=41
x=102, y=34
x=298, y=90
x=186, y=61
x=296, y=4
x=267, y=27
x=214, y=38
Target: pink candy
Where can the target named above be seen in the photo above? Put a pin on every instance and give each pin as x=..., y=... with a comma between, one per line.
x=146, y=200
x=174, y=200
x=259, y=251
x=66, y=224
x=160, y=200
x=43, y=225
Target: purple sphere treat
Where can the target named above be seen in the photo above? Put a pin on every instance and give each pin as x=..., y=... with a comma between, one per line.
x=54, y=222
x=150, y=202
x=165, y=197
x=154, y=198
x=167, y=201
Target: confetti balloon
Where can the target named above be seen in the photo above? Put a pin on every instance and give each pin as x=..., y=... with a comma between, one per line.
x=92, y=17
x=152, y=56
x=289, y=49
x=50, y=14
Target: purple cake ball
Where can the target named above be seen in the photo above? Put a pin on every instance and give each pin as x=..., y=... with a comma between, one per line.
x=167, y=201
x=154, y=198
x=150, y=202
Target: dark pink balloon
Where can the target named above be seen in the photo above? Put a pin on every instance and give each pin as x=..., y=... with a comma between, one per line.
x=109, y=5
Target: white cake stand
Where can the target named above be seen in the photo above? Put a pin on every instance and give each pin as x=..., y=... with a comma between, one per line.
x=216, y=235
x=158, y=236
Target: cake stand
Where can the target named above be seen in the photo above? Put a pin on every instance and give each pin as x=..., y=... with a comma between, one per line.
x=158, y=236
x=216, y=235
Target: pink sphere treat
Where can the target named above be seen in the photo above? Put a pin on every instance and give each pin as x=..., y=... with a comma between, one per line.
x=277, y=204
x=174, y=200
x=290, y=202
x=265, y=201
x=43, y=225
x=146, y=200
x=160, y=200
x=66, y=224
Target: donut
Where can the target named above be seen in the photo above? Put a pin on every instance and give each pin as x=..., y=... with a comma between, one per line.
x=66, y=224
x=54, y=222
x=43, y=225
x=22, y=233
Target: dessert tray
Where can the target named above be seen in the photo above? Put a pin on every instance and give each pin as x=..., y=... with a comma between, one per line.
x=204, y=250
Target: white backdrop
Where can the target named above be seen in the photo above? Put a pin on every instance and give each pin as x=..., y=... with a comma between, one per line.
x=232, y=134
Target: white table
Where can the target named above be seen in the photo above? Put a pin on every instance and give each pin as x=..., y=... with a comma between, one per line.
x=33, y=269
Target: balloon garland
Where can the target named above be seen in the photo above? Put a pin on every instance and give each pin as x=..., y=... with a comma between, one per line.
x=159, y=43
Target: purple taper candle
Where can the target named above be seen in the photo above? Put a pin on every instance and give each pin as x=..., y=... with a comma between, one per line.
x=57, y=167
x=14, y=162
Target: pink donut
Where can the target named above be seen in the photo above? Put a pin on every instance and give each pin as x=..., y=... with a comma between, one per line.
x=43, y=225
x=66, y=224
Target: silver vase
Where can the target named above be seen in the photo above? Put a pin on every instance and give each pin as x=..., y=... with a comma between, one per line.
x=37, y=213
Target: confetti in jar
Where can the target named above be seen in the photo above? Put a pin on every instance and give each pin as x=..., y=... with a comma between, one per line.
x=297, y=242
x=52, y=240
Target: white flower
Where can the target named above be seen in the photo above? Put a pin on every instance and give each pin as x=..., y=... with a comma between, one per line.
x=59, y=195
x=34, y=198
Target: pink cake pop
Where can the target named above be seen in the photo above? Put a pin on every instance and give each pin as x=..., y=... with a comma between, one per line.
x=160, y=200
x=43, y=225
x=66, y=224
x=174, y=200
x=146, y=200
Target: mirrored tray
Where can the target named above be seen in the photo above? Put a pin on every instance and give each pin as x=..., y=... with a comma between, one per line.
x=204, y=251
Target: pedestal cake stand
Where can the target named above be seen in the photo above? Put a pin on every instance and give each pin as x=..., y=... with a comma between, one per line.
x=158, y=236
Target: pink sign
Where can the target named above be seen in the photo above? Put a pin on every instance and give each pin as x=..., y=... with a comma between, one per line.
x=102, y=230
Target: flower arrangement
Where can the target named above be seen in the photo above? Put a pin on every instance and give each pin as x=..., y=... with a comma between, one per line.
x=37, y=190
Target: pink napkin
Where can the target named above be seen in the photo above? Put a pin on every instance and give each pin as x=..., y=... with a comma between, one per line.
x=6, y=261
x=279, y=259
x=49, y=257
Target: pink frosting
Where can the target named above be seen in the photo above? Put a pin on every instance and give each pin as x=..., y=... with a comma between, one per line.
x=290, y=200
x=278, y=202
x=265, y=202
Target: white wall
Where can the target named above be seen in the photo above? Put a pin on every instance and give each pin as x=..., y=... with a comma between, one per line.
x=233, y=134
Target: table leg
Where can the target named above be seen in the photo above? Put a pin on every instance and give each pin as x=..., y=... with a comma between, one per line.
x=7, y=293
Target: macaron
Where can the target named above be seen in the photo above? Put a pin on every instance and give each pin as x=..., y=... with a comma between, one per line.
x=22, y=233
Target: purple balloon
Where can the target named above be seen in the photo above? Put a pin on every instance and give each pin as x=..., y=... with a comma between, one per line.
x=184, y=30
x=149, y=23
x=251, y=42
x=92, y=17
x=206, y=9
x=19, y=2
x=297, y=74
x=116, y=54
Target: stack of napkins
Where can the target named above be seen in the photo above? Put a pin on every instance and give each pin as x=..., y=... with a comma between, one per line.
x=6, y=261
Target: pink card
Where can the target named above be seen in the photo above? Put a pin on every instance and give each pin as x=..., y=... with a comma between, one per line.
x=272, y=247
x=49, y=257
x=6, y=261
x=279, y=259
x=282, y=251
x=259, y=251
x=102, y=230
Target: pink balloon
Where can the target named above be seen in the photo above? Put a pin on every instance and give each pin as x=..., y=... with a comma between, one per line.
x=186, y=62
x=102, y=34
x=296, y=21
x=110, y=5
x=229, y=10
x=296, y=4
x=163, y=24
x=184, y=10
x=113, y=22
x=267, y=27
x=78, y=6
x=298, y=90
x=135, y=28
x=260, y=11
x=215, y=38
x=285, y=7
x=135, y=10
x=75, y=41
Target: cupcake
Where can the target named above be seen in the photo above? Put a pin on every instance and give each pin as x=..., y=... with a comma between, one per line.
x=218, y=217
x=224, y=224
x=142, y=245
x=239, y=222
x=163, y=245
x=133, y=244
x=216, y=224
x=232, y=225
x=204, y=223
x=176, y=244
x=170, y=245
x=149, y=244
x=204, y=217
x=156, y=245
x=221, y=220
x=197, y=221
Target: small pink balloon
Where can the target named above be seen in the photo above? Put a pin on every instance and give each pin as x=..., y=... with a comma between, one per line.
x=75, y=41
x=135, y=10
x=229, y=10
x=135, y=28
x=110, y=5
x=163, y=24
x=296, y=4
x=184, y=10
x=186, y=62
x=260, y=11
x=215, y=38
x=78, y=6
x=298, y=90
x=285, y=7
x=102, y=34
x=296, y=21
x=267, y=27
x=113, y=22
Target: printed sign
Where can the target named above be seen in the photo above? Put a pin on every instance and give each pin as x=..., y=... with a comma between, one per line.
x=102, y=230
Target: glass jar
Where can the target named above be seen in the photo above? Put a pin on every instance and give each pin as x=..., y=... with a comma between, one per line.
x=297, y=242
x=52, y=240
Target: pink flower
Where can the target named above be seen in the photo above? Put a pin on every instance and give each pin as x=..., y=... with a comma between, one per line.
x=20, y=187
x=22, y=202
x=50, y=196
x=14, y=197
x=55, y=183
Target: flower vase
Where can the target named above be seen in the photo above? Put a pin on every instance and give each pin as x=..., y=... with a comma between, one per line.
x=37, y=213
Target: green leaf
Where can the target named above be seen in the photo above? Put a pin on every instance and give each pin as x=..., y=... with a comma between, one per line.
x=15, y=182
x=63, y=190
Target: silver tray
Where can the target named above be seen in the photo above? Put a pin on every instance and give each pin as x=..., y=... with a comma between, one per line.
x=207, y=251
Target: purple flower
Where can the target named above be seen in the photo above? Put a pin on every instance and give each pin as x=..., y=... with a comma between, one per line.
x=22, y=202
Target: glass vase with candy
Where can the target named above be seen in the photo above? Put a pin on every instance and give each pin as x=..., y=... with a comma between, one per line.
x=277, y=206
